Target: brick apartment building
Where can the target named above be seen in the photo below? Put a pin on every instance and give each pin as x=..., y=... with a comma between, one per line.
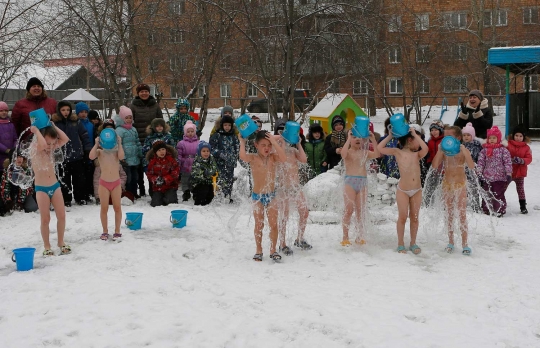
x=425, y=50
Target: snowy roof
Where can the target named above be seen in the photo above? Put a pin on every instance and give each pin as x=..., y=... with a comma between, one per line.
x=328, y=104
x=81, y=95
x=51, y=77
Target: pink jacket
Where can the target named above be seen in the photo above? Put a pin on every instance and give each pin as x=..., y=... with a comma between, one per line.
x=187, y=150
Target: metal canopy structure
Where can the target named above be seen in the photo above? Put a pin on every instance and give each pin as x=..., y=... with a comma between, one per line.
x=519, y=60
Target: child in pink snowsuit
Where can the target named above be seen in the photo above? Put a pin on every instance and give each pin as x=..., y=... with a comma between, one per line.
x=187, y=150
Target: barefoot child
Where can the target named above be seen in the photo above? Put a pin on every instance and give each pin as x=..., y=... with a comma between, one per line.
x=47, y=187
x=454, y=189
x=263, y=167
x=355, y=154
x=109, y=185
x=409, y=188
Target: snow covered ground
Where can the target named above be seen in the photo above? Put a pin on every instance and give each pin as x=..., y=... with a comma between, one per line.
x=198, y=286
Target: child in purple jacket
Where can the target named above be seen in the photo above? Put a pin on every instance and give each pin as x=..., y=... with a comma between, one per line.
x=187, y=150
x=494, y=169
x=8, y=135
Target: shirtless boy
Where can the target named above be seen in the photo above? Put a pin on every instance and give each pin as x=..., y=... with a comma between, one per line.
x=409, y=188
x=47, y=187
x=454, y=188
x=355, y=153
x=109, y=185
x=263, y=168
x=290, y=191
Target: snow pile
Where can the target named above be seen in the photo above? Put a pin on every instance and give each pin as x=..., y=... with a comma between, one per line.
x=382, y=190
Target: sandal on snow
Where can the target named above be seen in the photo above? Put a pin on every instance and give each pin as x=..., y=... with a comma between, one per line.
x=275, y=256
x=65, y=249
x=104, y=236
x=449, y=248
x=286, y=250
x=258, y=257
x=466, y=251
x=346, y=243
x=401, y=249
x=415, y=249
x=302, y=244
x=116, y=236
x=48, y=252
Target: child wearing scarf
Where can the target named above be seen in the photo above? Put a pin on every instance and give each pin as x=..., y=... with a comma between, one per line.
x=335, y=141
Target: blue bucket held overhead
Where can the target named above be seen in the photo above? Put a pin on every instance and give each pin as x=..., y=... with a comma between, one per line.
x=361, y=127
x=179, y=218
x=450, y=146
x=24, y=257
x=398, y=125
x=291, y=133
x=246, y=126
x=39, y=118
x=107, y=139
x=134, y=221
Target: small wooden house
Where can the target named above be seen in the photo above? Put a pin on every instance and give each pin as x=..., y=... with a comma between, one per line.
x=334, y=104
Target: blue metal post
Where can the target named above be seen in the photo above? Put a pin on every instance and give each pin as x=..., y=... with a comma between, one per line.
x=507, y=100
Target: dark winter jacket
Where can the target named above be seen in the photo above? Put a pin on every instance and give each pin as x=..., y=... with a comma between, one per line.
x=152, y=136
x=203, y=170
x=79, y=141
x=165, y=168
x=130, y=143
x=225, y=148
x=433, y=146
x=144, y=111
x=21, y=110
x=481, y=120
x=187, y=150
x=8, y=139
x=315, y=155
x=388, y=164
x=177, y=123
x=522, y=150
x=330, y=146
x=11, y=193
x=474, y=148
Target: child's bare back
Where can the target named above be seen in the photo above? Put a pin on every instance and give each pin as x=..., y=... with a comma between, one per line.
x=454, y=167
x=288, y=170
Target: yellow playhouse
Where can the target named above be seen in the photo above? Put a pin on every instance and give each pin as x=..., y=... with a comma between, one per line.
x=331, y=105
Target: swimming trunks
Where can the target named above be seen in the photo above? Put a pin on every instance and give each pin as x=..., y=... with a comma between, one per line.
x=409, y=193
x=109, y=185
x=49, y=190
x=358, y=183
x=264, y=198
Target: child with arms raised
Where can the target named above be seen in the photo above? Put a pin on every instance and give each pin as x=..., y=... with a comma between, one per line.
x=409, y=188
x=263, y=167
x=355, y=153
x=109, y=184
x=46, y=185
x=454, y=189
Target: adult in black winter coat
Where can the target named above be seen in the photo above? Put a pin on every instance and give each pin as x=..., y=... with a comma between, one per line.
x=335, y=141
x=477, y=112
x=77, y=150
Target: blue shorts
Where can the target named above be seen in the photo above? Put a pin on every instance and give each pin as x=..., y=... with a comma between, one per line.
x=264, y=198
x=49, y=190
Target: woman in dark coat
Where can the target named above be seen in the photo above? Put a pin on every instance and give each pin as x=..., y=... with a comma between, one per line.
x=477, y=112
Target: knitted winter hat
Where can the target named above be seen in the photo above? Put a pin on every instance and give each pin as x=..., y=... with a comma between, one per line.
x=3, y=106
x=124, y=112
x=143, y=87
x=469, y=129
x=477, y=93
x=61, y=104
x=226, y=119
x=93, y=115
x=494, y=131
x=157, y=122
x=227, y=108
x=202, y=145
x=158, y=145
x=189, y=125
x=81, y=106
x=32, y=82
x=109, y=123
x=337, y=119
x=182, y=102
x=517, y=129
x=315, y=128
x=437, y=124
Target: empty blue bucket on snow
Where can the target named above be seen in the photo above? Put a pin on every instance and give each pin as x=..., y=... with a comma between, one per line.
x=246, y=126
x=291, y=133
x=107, y=138
x=398, y=125
x=134, y=221
x=361, y=127
x=24, y=257
x=179, y=218
x=39, y=118
x=450, y=146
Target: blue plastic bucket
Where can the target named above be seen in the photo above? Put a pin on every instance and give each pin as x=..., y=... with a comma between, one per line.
x=246, y=126
x=450, y=146
x=179, y=218
x=361, y=127
x=39, y=118
x=134, y=221
x=24, y=257
x=398, y=125
x=291, y=133
x=107, y=138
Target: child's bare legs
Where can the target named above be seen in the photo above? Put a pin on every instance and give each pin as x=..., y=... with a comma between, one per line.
x=414, y=215
x=462, y=207
x=116, y=196
x=272, y=214
x=258, y=215
x=283, y=217
x=60, y=210
x=303, y=213
x=349, y=195
x=359, y=207
x=43, y=202
x=402, y=201
x=104, y=201
x=449, y=205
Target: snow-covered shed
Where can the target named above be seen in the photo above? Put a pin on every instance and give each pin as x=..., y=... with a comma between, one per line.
x=334, y=104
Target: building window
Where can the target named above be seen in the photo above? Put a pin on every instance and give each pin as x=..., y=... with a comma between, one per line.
x=226, y=62
x=422, y=54
x=498, y=18
x=455, y=20
x=152, y=38
x=458, y=52
x=360, y=87
x=178, y=91
x=201, y=91
x=455, y=84
x=533, y=83
x=152, y=65
x=305, y=85
x=530, y=15
x=251, y=90
x=423, y=85
x=177, y=7
x=394, y=24
x=225, y=90
x=421, y=22
x=394, y=55
x=178, y=63
x=333, y=87
x=176, y=36
x=395, y=85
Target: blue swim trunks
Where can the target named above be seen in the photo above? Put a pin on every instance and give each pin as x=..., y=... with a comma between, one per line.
x=264, y=198
x=358, y=183
x=49, y=190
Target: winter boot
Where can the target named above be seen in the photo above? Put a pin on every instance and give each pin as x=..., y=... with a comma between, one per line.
x=523, y=206
x=186, y=196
